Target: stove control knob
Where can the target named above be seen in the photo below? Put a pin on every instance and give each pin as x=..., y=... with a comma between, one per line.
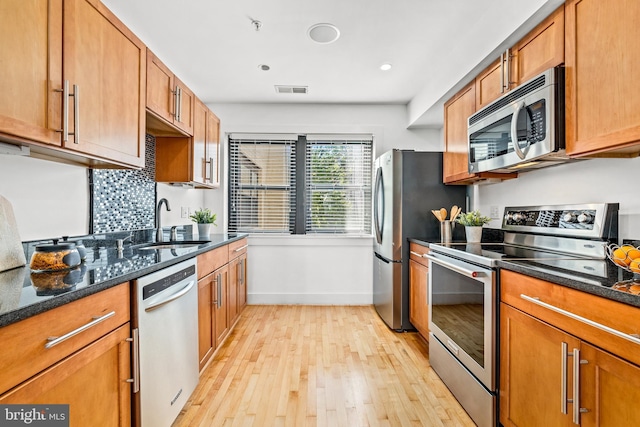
x=508, y=217
x=518, y=217
x=569, y=217
x=585, y=218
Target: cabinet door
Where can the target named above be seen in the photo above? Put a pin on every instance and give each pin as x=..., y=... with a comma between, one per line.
x=31, y=69
x=234, y=283
x=185, y=103
x=199, y=161
x=220, y=289
x=242, y=282
x=602, y=63
x=108, y=64
x=489, y=84
x=541, y=49
x=610, y=389
x=213, y=149
x=456, y=157
x=92, y=381
x=418, y=294
x=160, y=97
x=206, y=319
x=531, y=371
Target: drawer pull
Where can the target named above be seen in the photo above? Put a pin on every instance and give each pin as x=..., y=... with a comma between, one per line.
x=536, y=300
x=417, y=254
x=53, y=341
x=241, y=248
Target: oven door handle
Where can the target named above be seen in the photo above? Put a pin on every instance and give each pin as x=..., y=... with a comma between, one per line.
x=464, y=271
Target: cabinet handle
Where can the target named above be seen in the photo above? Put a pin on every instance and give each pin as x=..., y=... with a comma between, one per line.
x=53, y=341
x=211, y=169
x=536, y=300
x=179, y=103
x=219, y=290
x=576, y=386
x=417, y=254
x=65, y=110
x=76, y=114
x=502, y=73
x=136, y=361
x=563, y=381
x=241, y=248
x=242, y=272
x=507, y=60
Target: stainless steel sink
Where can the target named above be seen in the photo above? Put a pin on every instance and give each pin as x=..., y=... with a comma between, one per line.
x=181, y=244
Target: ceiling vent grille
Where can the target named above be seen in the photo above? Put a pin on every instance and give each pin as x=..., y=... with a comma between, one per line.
x=291, y=89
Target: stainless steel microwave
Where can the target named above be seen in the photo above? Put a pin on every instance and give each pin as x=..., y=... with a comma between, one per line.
x=521, y=130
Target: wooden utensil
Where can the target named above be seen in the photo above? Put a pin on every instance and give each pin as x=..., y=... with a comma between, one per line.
x=455, y=210
x=436, y=214
x=443, y=214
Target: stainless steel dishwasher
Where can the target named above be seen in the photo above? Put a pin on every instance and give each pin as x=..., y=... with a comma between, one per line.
x=165, y=354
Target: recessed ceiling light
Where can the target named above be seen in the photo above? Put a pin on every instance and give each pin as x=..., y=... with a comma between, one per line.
x=323, y=33
x=385, y=67
x=264, y=67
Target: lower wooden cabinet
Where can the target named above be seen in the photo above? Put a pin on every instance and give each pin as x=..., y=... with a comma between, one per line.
x=221, y=303
x=557, y=370
x=93, y=381
x=206, y=321
x=418, y=289
x=237, y=287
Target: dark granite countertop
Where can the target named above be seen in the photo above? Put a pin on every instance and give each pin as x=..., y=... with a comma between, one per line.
x=596, y=285
x=103, y=268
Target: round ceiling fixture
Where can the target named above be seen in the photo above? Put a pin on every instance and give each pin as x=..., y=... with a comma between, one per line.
x=323, y=33
x=264, y=67
x=386, y=66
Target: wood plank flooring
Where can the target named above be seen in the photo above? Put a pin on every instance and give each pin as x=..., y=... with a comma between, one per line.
x=320, y=366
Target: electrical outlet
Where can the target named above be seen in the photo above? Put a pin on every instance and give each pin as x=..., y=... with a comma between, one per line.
x=494, y=214
x=184, y=212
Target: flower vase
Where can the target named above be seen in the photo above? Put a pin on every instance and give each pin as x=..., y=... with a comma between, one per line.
x=474, y=234
x=204, y=230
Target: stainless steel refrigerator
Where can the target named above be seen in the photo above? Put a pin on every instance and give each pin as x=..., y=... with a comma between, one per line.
x=408, y=185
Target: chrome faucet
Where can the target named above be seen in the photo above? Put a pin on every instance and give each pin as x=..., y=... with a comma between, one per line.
x=159, y=237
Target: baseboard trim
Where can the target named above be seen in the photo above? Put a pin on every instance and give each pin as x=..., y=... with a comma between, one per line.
x=310, y=299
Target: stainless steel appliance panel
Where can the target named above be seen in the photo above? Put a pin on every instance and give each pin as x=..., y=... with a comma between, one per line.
x=388, y=206
x=167, y=327
x=387, y=290
x=476, y=400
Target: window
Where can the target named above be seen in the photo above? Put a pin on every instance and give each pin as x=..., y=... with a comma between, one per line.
x=314, y=184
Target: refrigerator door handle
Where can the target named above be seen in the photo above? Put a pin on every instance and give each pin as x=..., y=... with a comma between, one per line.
x=378, y=206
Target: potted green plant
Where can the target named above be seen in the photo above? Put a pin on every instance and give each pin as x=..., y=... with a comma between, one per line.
x=473, y=222
x=204, y=218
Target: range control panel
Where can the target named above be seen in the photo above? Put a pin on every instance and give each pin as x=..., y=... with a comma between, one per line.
x=595, y=220
x=580, y=219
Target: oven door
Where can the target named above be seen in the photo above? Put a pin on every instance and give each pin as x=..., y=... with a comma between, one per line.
x=462, y=313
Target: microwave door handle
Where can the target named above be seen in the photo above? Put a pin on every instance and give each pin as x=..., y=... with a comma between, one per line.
x=514, y=132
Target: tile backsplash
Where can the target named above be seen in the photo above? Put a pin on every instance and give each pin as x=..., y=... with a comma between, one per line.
x=123, y=199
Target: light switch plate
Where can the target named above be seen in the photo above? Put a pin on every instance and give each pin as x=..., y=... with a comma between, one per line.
x=184, y=212
x=494, y=213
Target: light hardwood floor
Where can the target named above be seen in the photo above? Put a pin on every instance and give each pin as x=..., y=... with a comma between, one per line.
x=320, y=366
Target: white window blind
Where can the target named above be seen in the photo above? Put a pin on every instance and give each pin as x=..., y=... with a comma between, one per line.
x=338, y=185
x=295, y=184
x=262, y=185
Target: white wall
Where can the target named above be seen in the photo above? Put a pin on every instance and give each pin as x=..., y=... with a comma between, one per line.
x=49, y=199
x=587, y=181
x=308, y=269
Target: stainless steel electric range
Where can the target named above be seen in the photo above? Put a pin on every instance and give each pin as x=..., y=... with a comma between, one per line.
x=463, y=289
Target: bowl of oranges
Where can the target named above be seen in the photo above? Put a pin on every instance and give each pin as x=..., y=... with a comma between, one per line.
x=626, y=257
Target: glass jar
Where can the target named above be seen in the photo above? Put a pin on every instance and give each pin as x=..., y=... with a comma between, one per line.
x=55, y=257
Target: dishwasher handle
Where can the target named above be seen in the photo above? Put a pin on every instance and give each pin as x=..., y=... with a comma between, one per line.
x=172, y=297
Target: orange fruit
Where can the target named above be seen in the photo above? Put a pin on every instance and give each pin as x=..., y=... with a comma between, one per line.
x=634, y=265
x=633, y=254
x=620, y=255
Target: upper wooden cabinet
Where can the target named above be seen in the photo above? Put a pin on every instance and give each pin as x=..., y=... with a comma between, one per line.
x=81, y=45
x=603, y=59
x=191, y=160
x=169, y=101
x=539, y=50
x=456, y=153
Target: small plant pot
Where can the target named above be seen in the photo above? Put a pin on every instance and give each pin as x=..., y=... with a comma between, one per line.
x=204, y=230
x=474, y=234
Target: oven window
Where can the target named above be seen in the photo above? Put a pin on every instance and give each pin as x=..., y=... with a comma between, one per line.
x=458, y=310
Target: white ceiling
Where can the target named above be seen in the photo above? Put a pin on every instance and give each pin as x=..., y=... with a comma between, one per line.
x=433, y=45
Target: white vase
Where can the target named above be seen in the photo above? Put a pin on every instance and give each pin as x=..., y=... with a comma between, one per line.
x=474, y=234
x=204, y=230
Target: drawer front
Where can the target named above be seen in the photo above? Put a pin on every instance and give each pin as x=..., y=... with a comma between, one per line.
x=237, y=248
x=515, y=288
x=416, y=253
x=24, y=342
x=212, y=260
